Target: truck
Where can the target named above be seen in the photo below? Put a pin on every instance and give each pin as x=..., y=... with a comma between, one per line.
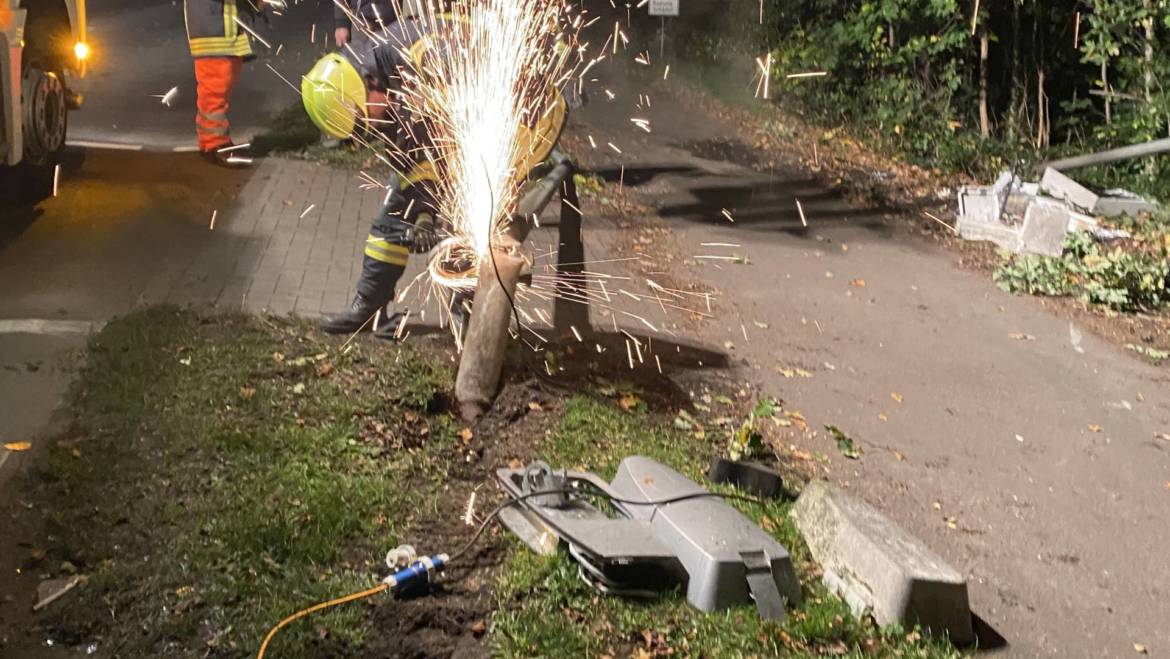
x=42, y=47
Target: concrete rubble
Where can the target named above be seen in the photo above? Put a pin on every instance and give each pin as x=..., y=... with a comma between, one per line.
x=876, y=566
x=1033, y=218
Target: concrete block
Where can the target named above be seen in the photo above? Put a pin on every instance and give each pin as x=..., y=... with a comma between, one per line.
x=1045, y=224
x=1061, y=187
x=1118, y=206
x=978, y=204
x=874, y=564
x=979, y=218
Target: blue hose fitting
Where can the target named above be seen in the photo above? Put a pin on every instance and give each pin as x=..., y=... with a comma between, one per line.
x=417, y=574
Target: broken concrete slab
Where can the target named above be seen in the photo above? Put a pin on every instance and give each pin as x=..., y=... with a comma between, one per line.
x=1045, y=224
x=1117, y=202
x=49, y=590
x=874, y=564
x=979, y=217
x=1059, y=186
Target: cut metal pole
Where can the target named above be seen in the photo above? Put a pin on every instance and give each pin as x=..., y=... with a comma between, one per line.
x=1113, y=155
x=486, y=341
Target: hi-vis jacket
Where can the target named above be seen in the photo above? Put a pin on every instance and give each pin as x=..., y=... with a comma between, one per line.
x=213, y=27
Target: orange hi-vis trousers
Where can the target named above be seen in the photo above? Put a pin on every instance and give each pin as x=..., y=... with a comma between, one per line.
x=215, y=77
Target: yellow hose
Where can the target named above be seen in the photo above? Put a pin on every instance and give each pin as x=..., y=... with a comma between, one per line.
x=313, y=609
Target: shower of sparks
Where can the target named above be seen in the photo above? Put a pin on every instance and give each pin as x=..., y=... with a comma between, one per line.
x=936, y=219
x=252, y=32
x=807, y=74
x=211, y=227
x=306, y=211
x=498, y=60
x=168, y=98
x=765, y=64
x=800, y=209
x=487, y=64
x=56, y=177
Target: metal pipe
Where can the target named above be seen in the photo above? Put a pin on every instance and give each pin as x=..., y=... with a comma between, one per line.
x=1112, y=155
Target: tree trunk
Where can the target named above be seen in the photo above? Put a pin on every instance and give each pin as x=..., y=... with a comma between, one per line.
x=1148, y=71
x=1105, y=85
x=984, y=119
x=1041, y=112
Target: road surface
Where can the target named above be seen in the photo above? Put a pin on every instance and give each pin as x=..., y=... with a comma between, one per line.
x=140, y=53
x=1034, y=466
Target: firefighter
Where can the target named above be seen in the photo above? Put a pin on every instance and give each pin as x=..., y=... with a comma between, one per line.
x=335, y=94
x=355, y=21
x=219, y=44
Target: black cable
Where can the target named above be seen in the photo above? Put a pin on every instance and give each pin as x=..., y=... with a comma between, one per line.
x=492, y=252
x=597, y=492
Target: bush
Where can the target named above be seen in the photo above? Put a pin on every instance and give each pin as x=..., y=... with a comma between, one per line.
x=1126, y=280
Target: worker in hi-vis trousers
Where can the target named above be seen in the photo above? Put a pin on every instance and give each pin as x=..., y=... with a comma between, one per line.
x=219, y=44
x=335, y=98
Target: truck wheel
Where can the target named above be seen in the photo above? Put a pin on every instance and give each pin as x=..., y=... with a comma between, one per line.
x=45, y=114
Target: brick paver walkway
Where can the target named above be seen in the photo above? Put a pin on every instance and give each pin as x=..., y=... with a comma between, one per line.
x=291, y=243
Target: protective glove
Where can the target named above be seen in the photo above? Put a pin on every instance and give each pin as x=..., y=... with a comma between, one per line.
x=424, y=235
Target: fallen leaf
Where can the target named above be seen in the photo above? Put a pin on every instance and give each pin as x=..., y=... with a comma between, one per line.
x=1162, y=436
x=515, y=463
x=1140, y=649
x=299, y=388
x=247, y=392
x=278, y=357
x=1094, y=427
x=728, y=345
x=896, y=396
x=479, y=628
x=466, y=435
x=830, y=366
x=628, y=402
x=759, y=324
x=1020, y=336
x=534, y=406
x=845, y=443
x=1020, y=438
x=859, y=283
x=18, y=446
x=883, y=417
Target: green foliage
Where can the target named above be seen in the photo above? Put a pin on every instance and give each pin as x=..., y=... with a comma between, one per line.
x=1124, y=279
x=906, y=75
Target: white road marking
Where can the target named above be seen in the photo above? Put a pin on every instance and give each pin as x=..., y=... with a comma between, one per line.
x=113, y=146
x=47, y=326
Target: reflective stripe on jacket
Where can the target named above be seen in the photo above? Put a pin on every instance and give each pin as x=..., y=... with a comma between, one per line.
x=213, y=28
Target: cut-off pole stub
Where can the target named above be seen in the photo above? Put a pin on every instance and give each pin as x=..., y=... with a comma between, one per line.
x=487, y=333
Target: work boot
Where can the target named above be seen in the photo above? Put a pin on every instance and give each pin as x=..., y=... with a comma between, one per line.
x=227, y=156
x=359, y=316
x=387, y=329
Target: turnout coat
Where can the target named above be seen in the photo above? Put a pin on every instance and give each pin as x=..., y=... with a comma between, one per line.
x=214, y=27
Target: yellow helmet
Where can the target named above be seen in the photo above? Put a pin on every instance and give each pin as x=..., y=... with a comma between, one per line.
x=334, y=95
x=537, y=141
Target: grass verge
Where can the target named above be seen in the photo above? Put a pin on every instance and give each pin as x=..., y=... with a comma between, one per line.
x=225, y=471
x=291, y=134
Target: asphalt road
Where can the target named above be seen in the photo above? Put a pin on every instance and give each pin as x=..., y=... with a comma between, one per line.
x=1032, y=466
x=140, y=53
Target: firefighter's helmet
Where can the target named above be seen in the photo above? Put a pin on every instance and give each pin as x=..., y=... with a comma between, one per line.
x=334, y=95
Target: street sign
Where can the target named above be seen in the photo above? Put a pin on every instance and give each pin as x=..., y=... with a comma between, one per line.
x=664, y=7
